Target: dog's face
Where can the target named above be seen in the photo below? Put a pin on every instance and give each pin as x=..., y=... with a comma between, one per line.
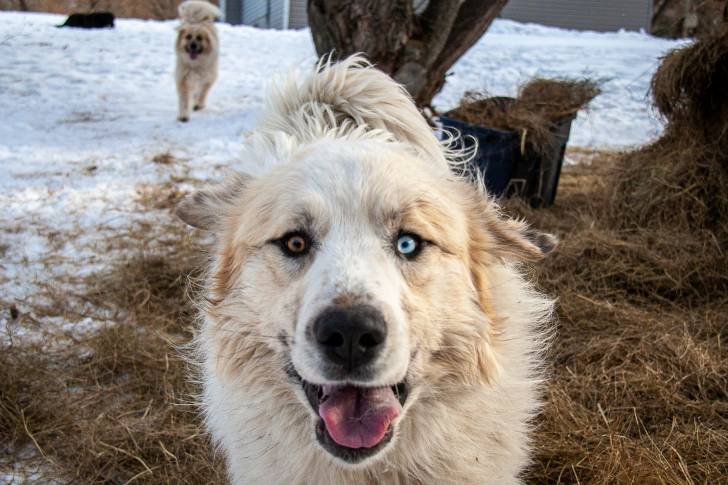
x=194, y=41
x=356, y=274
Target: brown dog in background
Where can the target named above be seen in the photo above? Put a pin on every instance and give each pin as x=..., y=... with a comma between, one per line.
x=197, y=50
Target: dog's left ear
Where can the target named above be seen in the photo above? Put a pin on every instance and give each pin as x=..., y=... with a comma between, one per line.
x=205, y=208
x=513, y=239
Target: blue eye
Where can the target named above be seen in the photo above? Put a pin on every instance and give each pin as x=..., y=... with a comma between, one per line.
x=408, y=245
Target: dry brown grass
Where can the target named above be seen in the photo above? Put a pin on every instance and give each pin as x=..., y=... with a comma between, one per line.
x=640, y=372
x=689, y=89
x=164, y=158
x=114, y=405
x=639, y=388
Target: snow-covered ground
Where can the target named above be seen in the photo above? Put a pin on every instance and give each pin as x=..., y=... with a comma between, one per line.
x=511, y=53
x=83, y=114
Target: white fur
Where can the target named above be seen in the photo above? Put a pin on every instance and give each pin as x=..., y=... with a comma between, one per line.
x=347, y=147
x=196, y=11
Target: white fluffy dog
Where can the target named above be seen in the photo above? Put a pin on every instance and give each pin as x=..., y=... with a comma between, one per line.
x=197, y=49
x=366, y=321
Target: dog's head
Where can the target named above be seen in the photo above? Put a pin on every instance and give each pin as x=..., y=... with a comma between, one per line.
x=195, y=40
x=358, y=274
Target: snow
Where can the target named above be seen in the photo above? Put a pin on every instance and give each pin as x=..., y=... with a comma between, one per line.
x=511, y=53
x=84, y=112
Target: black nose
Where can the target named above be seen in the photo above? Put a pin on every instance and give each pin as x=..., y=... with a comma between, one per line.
x=350, y=336
x=193, y=46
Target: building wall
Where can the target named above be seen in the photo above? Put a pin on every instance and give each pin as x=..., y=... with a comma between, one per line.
x=598, y=15
x=255, y=13
x=266, y=14
x=277, y=18
x=232, y=11
x=298, y=14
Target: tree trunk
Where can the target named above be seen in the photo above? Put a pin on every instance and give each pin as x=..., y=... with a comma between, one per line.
x=416, y=49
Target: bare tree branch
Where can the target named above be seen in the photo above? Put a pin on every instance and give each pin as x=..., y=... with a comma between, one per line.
x=417, y=50
x=474, y=18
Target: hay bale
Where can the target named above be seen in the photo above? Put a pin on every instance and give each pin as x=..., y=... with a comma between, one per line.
x=554, y=99
x=540, y=104
x=677, y=185
x=689, y=89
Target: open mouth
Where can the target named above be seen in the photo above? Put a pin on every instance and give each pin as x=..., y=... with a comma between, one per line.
x=194, y=53
x=355, y=422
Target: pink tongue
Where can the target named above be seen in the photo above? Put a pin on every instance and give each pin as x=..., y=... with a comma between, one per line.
x=358, y=417
x=193, y=55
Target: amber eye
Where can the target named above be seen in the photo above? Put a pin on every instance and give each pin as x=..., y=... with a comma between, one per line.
x=295, y=244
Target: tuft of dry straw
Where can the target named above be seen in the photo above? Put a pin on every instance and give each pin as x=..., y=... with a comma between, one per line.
x=689, y=89
x=556, y=98
x=540, y=104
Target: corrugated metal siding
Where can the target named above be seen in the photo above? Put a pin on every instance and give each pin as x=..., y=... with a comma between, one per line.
x=266, y=14
x=255, y=13
x=233, y=11
x=277, y=14
x=582, y=14
x=571, y=14
x=298, y=17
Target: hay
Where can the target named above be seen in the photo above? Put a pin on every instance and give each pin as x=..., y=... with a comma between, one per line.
x=540, y=105
x=675, y=189
x=112, y=414
x=640, y=378
x=116, y=405
x=555, y=99
x=639, y=382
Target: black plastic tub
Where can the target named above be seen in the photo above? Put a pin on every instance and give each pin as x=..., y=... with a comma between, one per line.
x=541, y=173
x=508, y=168
x=498, y=152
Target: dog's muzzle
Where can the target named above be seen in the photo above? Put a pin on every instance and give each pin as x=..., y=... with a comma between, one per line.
x=355, y=418
x=193, y=49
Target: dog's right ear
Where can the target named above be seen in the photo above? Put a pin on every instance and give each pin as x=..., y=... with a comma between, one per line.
x=205, y=208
